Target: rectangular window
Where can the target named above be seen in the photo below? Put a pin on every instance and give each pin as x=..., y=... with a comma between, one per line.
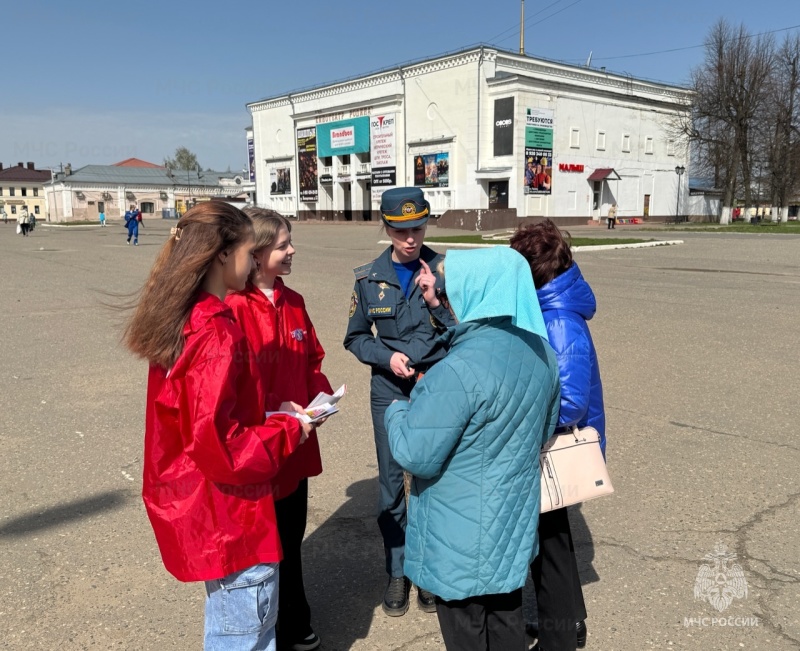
x=670, y=147
x=575, y=138
x=13, y=210
x=11, y=192
x=24, y=192
x=36, y=210
x=601, y=141
x=1, y=191
x=36, y=192
x=626, y=142
x=648, y=145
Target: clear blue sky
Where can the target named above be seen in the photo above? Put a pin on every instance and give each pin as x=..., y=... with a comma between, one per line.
x=96, y=82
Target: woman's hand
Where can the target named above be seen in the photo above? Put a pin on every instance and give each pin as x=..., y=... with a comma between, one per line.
x=306, y=428
x=426, y=281
x=398, y=365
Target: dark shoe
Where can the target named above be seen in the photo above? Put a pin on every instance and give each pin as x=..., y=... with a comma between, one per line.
x=426, y=601
x=580, y=628
x=395, y=599
x=531, y=631
x=308, y=644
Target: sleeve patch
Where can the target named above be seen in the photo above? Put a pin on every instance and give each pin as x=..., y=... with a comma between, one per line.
x=353, y=304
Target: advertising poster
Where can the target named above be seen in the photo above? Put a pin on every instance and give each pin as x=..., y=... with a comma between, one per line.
x=382, y=150
x=538, y=177
x=307, y=160
x=504, y=126
x=280, y=181
x=432, y=170
x=251, y=158
x=343, y=137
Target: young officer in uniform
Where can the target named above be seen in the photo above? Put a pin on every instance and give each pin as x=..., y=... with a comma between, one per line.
x=388, y=295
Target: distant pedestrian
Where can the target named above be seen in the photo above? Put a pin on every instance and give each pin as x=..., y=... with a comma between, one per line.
x=132, y=224
x=4, y=214
x=612, y=216
x=24, y=221
x=102, y=219
x=139, y=218
x=31, y=221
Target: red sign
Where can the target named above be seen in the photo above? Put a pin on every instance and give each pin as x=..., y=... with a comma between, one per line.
x=569, y=167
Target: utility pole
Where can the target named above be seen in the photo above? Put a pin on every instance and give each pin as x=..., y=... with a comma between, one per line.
x=522, y=29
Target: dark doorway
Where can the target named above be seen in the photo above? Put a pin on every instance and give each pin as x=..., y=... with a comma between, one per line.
x=498, y=194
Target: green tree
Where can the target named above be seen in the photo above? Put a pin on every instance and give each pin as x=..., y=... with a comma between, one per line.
x=183, y=160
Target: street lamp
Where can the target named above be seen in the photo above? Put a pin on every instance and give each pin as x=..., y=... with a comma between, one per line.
x=679, y=170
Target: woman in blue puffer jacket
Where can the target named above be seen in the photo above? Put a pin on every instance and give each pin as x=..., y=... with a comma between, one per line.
x=471, y=436
x=567, y=303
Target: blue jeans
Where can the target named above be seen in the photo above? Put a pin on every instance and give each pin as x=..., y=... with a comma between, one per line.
x=133, y=231
x=241, y=610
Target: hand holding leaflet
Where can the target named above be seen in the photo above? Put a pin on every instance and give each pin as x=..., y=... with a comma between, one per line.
x=321, y=407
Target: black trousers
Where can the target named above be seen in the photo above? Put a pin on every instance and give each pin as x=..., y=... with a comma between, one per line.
x=559, y=595
x=487, y=623
x=294, y=614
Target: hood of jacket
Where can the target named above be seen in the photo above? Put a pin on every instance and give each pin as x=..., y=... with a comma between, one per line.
x=569, y=292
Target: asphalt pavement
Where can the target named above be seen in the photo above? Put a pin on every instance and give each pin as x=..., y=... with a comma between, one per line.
x=699, y=358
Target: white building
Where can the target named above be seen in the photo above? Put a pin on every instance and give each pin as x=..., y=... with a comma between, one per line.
x=465, y=128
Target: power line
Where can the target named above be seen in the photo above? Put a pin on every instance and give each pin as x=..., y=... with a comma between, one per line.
x=515, y=28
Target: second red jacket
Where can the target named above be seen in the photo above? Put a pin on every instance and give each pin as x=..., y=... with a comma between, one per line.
x=289, y=357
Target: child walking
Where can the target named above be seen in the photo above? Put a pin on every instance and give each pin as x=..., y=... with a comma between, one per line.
x=289, y=360
x=209, y=457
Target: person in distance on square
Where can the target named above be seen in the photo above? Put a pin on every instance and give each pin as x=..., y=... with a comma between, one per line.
x=567, y=303
x=471, y=437
x=132, y=224
x=209, y=453
x=288, y=357
x=407, y=321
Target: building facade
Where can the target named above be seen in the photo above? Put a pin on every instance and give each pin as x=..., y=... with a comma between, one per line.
x=23, y=185
x=490, y=136
x=156, y=191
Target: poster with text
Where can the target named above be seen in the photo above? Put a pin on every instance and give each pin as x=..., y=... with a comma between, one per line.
x=538, y=176
x=307, y=160
x=251, y=159
x=382, y=150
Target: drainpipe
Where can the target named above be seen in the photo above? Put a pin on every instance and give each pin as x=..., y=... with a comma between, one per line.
x=478, y=129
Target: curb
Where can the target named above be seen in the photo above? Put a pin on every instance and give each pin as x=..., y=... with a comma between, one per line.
x=597, y=247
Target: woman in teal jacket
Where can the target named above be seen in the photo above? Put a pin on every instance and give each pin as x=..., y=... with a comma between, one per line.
x=471, y=436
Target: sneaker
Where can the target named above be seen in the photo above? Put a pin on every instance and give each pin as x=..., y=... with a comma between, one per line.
x=308, y=644
x=426, y=601
x=395, y=599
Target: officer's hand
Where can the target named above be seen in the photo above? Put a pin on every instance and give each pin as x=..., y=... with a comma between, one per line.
x=426, y=281
x=398, y=366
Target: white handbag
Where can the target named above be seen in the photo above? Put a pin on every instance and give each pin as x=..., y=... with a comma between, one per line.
x=573, y=469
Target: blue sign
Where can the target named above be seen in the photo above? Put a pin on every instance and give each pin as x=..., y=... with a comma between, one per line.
x=343, y=137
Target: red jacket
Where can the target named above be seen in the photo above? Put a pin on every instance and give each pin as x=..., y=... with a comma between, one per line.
x=289, y=360
x=209, y=458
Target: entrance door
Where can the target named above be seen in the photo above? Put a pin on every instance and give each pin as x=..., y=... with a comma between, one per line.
x=101, y=206
x=366, y=202
x=597, y=199
x=498, y=194
x=646, y=209
x=348, y=202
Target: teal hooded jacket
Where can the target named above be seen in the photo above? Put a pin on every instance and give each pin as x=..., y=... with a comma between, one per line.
x=472, y=432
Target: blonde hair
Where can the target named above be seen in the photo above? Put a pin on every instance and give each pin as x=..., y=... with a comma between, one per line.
x=155, y=330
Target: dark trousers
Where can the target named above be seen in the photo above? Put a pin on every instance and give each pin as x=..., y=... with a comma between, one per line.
x=392, y=502
x=487, y=623
x=294, y=614
x=611, y=221
x=559, y=595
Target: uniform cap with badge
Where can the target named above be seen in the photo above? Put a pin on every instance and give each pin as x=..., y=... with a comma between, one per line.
x=404, y=208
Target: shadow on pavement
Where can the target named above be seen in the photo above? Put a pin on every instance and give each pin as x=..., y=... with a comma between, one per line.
x=584, y=545
x=343, y=566
x=56, y=516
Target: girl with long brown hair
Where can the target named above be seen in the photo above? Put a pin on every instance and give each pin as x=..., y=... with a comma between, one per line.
x=289, y=358
x=209, y=455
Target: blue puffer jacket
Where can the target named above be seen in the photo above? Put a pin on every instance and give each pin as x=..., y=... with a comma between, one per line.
x=567, y=303
x=471, y=437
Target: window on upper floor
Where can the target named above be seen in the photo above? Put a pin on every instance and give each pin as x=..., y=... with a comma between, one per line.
x=24, y=192
x=600, y=143
x=11, y=192
x=648, y=145
x=35, y=192
x=670, y=147
x=575, y=138
x=626, y=142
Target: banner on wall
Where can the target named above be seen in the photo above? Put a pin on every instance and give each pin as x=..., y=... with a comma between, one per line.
x=432, y=170
x=538, y=177
x=307, y=161
x=343, y=137
x=280, y=180
x=504, y=126
x=382, y=150
x=251, y=159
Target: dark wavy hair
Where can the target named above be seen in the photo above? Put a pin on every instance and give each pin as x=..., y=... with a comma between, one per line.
x=546, y=248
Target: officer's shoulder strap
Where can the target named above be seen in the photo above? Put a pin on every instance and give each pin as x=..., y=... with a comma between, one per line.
x=363, y=270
